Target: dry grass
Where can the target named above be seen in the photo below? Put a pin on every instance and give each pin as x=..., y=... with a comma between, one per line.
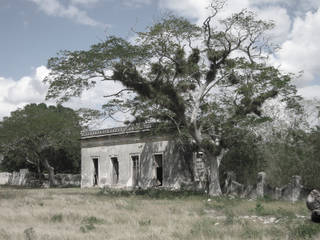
x=86, y=214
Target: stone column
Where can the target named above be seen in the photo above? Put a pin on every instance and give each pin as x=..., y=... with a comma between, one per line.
x=261, y=184
x=292, y=191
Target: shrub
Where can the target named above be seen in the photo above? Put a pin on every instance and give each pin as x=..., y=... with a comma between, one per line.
x=56, y=218
x=86, y=228
x=92, y=220
x=146, y=222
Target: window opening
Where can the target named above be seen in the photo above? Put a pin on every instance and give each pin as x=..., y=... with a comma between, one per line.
x=96, y=171
x=159, y=168
x=115, y=170
x=135, y=170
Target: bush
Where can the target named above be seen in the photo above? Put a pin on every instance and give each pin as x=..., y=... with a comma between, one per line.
x=92, y=220
x=56, y=218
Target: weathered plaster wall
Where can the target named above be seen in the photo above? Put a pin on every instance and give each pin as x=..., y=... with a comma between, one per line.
x=104, y=148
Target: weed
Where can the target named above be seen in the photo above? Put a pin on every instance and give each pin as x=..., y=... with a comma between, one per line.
x=29, y=234
x=250, y=232
x=126, y=205
x=307, y=230
x=174, y=210
x=281, y=212
x=276, y=233
x=146, y=222
x=201, y=212
x=178, y=235
x=261, y=211
x=4, y=235
x=229, y=217
x=259, y=208
x=205, y=228
x=56, y=218
x=92, y=220
x=86, y=228
x=120, y=220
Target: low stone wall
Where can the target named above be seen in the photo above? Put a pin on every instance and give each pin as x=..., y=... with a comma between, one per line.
x=4, y=178
x=68, y=179
x=29, y=179
x=293, y=191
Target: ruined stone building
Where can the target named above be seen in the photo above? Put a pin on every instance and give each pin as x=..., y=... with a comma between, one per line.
x=131, y=156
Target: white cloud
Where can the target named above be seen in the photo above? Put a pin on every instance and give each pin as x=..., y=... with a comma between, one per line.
x=281, y=19
x=136, y=3
x=16, y=94
x=84, y=2
x=55, y=8
x=310, y=92
x=94, y=99
x=301, y=50
x=296, y=7
x=31, y=89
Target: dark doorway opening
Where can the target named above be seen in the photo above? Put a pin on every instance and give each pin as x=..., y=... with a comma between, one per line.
x=135, y=170
x=115, y=170
x=159, y=169
x=96, y=171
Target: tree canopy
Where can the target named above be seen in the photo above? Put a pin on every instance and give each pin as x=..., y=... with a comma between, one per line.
x=41, y=136
x=207, y=81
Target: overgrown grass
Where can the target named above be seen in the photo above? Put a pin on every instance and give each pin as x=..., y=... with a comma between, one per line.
x=156, y=214
x=150, y=193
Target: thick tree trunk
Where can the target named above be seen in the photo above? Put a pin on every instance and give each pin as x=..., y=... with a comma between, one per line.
x=214, y=183
x=50, y=170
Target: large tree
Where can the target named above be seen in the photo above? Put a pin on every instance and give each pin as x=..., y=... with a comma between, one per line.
x=207, y=81
x=40, y=135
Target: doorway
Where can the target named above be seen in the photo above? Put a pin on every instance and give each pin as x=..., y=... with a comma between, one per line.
x=115, y=170
x=159, y=168
x=135, y=170
x=95, y=171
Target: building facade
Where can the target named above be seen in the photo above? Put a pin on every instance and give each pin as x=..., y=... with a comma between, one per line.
x=127, y=157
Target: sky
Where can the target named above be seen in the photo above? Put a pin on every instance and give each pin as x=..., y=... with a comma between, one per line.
x=32, y=31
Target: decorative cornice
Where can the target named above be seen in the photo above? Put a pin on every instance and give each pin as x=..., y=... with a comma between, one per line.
x=116, y=131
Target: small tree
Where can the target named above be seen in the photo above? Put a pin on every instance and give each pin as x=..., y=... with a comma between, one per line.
x=37, y=133
x=208, y=82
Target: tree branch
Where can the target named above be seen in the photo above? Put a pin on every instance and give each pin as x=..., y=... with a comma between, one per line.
x=117, y=93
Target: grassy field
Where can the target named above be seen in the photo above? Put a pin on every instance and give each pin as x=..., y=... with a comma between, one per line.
x=90, y=214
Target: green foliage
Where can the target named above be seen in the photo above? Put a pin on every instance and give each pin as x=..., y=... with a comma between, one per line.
x=293, y=152
x=92, y=220
x=38, y=132
x=244, y=157
x=30, y=234
x=261, y=211
x=145, y=222
x=57, y=218
x=229, y=217
x=86, y=228
x=89, y=223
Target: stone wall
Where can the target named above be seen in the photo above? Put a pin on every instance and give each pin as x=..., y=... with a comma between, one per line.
x=108, y=161
x=293, y=191
x=4, y=178
x=29, y=179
